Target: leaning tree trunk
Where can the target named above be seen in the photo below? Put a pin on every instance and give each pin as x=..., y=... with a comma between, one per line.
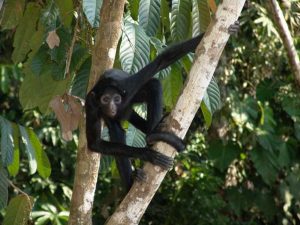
x=208, y=53
x=286, y=37
x=87, y=163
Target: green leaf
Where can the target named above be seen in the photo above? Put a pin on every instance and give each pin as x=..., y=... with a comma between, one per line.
x=135, y=137
x=239, y=199
x=43, y=164
x=91, y=9
x=79, y=56
x=135, y=47
x=172, y=86
x=297, y=130
x=38, y=91
x=292, y=106
x=13, y=168
x=180, y=19
x=18, y=210
x=200, y=16
x=164, y=14
x=222, y=154
x=12, y=13
x=149, y=16
x=65, y=11
x=3, y=188
x=265, y=164
x=80, y=83
x=29, y=150
x=50, y=15
x=134, y=8
x=211, y=102
x=266, y=203
x=24, y=32
x=7, y=142
x=266, y=90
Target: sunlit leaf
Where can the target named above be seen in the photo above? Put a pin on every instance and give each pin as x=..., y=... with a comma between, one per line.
x=135, y=47
x=180, y=19
x=91, y=9
x=149, y=16
x=29, y=150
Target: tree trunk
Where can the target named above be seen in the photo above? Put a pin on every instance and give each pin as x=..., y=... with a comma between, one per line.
x=286, y=37
x=87, y=164
x=208, y=53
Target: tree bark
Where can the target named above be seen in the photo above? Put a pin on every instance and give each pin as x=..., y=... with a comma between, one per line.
x=87, y=164
x=286, y=37
x=208, y=53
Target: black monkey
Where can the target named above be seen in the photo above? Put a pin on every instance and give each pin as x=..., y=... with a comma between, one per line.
x=111, y=100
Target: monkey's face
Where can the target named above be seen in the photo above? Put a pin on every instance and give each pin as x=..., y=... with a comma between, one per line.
x=110, y=101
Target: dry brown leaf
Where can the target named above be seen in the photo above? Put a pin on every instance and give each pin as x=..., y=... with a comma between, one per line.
x=53, y=39
x=68, y=111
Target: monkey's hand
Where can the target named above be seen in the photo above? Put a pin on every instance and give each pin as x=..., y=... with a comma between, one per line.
x=157, y=158
x=139, y=175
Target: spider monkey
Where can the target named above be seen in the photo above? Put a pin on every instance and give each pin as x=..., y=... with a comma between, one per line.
x=112, y=99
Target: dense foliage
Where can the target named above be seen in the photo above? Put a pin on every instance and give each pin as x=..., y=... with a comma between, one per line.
x=241, y=165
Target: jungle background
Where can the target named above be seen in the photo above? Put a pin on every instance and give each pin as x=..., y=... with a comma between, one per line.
x=241, y=164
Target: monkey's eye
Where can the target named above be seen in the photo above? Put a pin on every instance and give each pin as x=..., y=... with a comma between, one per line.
x=117, y=99
x=105, y=99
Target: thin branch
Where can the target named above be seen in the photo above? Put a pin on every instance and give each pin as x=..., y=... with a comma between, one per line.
x=286, y=37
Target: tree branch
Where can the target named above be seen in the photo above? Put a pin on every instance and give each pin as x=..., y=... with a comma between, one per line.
x=87, y=164
x=209, y=51
x=286, y=37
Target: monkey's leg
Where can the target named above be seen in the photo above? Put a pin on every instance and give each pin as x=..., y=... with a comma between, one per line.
x=151, y=93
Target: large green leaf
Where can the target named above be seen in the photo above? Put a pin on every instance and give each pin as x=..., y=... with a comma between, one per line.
x=265, y=164
x=50, y=15
x=211, y=102
x=222, y=154
x=200, y=16
x=18, y=210
x=65, y=11
x=180, y=19
x=12, y=13
x=91, y=9
x=149, y=16
x=135, y=47
x=3, y=187
x=7, y=141
x=29, y=149
x=172, y=86
x=79, y=86
x=38, y=91
x=13, y=168
x=24, y=32
x=43, y=164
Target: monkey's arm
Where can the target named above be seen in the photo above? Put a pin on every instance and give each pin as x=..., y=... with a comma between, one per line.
x=145, y=154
